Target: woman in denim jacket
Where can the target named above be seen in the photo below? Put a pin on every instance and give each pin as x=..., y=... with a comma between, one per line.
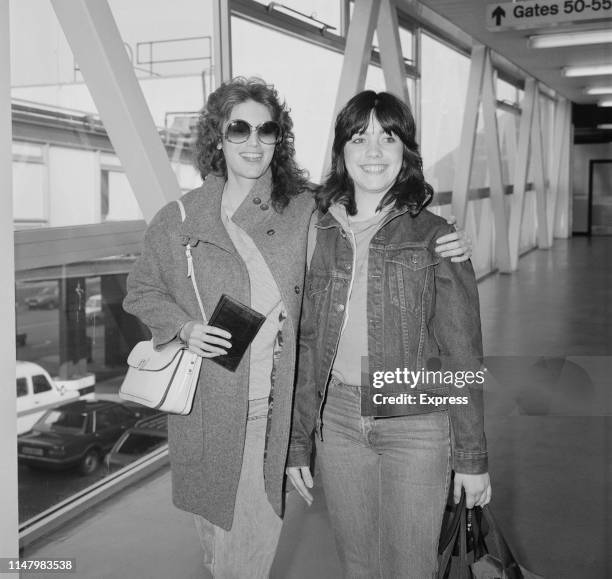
x=389, y=358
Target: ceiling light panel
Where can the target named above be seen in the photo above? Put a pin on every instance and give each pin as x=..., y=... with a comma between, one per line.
x=594, y=70
x=570, y=39
x=595, y=90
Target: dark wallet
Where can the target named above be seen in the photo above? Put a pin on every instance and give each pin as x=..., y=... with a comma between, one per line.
x=241, y=322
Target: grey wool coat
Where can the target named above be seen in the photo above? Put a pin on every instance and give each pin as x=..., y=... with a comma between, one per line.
x=206, y=446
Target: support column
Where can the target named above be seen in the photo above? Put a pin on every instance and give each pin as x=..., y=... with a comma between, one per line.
x=222, y=41
x=73, y=342
x=538, y=164
x=98, y=48
x=9, y=524
x=391, y=56
x=356, y=59
x=520, y=170
x=465, y=152
x=502, y=251
x=563, y=175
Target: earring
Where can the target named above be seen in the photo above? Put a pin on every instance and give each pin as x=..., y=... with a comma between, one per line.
x=219, y=146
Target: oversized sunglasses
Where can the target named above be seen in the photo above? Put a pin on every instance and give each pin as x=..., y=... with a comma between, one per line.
x=239, y=131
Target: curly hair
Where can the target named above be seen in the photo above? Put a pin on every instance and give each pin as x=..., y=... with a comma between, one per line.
x=288, y=180
x=410, y=188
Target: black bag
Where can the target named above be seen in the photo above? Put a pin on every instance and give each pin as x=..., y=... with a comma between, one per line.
x=472, y=546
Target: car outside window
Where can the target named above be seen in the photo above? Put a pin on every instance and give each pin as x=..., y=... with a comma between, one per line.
x=22, y=387
x=138, y=444
x=63, y=421
x=108, y=417
x=40, y=384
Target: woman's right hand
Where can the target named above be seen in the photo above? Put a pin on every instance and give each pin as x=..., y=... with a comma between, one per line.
x=301, y=479
x=204, y=340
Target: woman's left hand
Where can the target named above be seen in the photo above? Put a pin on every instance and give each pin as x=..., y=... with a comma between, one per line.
x=477, y=489
x=456, y=245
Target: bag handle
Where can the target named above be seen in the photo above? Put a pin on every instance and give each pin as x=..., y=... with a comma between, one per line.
x=190, y=265
x=454, y=530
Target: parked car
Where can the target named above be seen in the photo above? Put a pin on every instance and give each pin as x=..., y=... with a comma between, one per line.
x=47, y=298
x=144, y=437
x=37, y=392
x=77, y=434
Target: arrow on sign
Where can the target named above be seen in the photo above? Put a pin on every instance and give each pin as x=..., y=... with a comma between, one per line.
x=498, y=14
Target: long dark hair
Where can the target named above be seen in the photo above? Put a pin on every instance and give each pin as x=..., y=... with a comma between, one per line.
x=410, y=189
x=288, y=180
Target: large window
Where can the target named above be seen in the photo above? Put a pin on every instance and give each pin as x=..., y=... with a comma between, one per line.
x=308, y=88
x=77, y=218
x=444, y=77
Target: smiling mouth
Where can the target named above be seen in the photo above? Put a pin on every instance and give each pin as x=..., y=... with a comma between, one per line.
x=373, y=169
x=252, y=157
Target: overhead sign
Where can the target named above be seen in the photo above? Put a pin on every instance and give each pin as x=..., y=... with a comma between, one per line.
x=536, y=14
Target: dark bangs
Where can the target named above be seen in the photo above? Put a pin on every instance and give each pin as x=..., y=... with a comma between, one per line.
x=394, y=116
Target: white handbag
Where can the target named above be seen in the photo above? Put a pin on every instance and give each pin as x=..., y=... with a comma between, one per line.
x=164, y=378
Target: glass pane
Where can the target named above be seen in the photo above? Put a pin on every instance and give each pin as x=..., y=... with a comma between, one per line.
x=407, y=43
x=308, y=88
x=506, y=91
x=507, y=124
x=444, y=78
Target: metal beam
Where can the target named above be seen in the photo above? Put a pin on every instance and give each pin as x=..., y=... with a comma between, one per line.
x=465, y=152
x=97, y=46
x=391, y=57
x=356, y=59
x=8, y=421
x=537, y=163
x=520, y=171
x=222, y=38
x=498, y=203
x=45, y=247
x=560, y=174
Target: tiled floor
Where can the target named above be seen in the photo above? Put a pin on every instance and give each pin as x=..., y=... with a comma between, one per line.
x=548, y=427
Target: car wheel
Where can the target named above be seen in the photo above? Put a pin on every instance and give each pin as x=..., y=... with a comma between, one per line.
x=89, y=463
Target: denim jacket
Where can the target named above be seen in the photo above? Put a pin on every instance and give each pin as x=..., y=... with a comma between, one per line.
x=422, y=314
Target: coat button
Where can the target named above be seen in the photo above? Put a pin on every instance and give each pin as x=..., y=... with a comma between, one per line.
x=415, y=259
x=270, y=232
x=340, y=308
x=348, y=267
x=257, y=200
x=297, y=289
x=265, y=207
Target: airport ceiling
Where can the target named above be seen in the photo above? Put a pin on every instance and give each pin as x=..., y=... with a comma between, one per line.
x=476, y=18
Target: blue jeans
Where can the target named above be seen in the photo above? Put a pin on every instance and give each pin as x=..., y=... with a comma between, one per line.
x=248, y=548
x=386, y=482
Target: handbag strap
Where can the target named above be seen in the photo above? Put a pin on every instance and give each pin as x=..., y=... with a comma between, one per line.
x=190, y=265
x=456, y=527
x=504, y=553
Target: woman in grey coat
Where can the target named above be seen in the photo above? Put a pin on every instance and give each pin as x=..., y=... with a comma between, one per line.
x=247, y=226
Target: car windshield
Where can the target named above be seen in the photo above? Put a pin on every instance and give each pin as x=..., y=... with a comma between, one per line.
x=62, y=421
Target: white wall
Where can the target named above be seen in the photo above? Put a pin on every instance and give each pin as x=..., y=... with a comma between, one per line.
x=75, y=187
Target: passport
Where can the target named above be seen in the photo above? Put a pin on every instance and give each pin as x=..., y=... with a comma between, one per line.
x=241, y=322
